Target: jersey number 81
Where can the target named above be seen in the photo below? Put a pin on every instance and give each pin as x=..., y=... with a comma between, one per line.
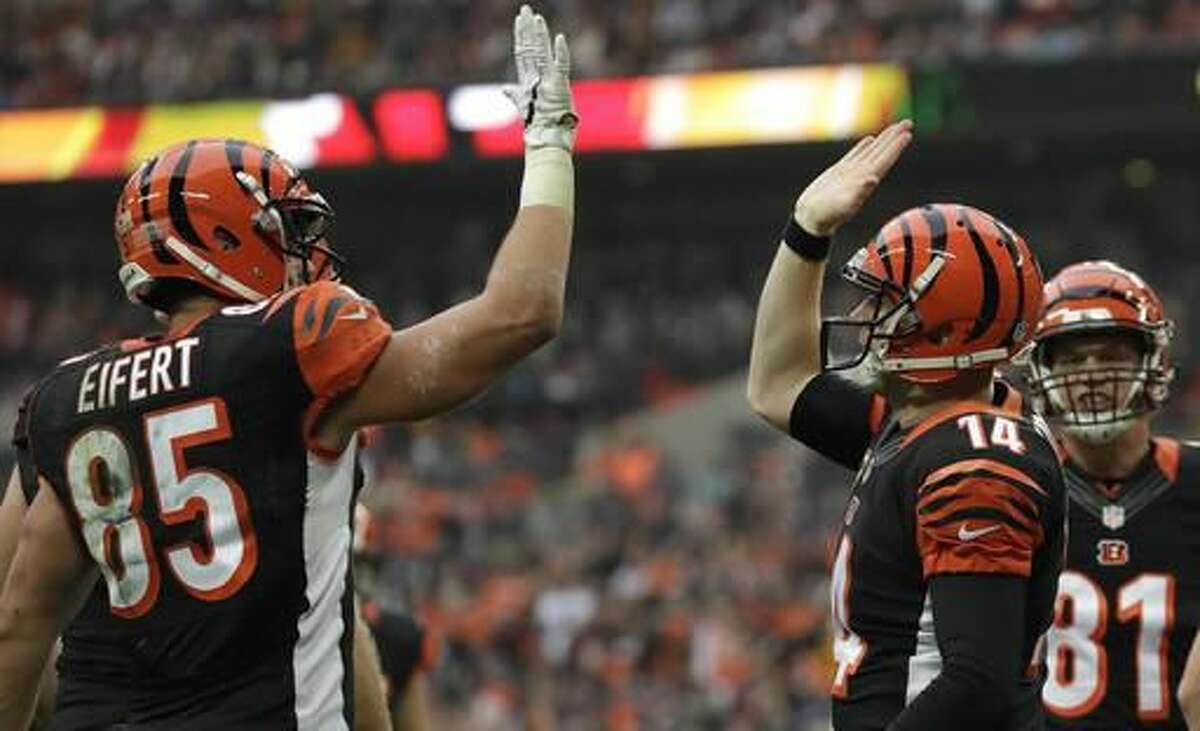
x=1078, y=662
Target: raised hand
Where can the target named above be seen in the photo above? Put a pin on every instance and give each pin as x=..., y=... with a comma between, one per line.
x=838, y=193
x=542, y=93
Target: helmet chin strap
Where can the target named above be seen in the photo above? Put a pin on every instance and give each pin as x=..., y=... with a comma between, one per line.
x=1098, y=435
x=964, y=361
x=207, y=269
x=1098, y=427
x=961, y=361
x=268, y=219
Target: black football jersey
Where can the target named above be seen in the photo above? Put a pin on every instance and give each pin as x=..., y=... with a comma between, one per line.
x=94, y=672
x=1129, y=599
x=222, y=533
x=976, y=488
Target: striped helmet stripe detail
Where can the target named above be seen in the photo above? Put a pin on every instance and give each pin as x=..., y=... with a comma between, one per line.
x=267, y=158
x=937, y=227
x=144, y=187
x=882, y=248
x=991, y=281
x=1018, y=265
x=908, y=252
x=175, y=203
x=153, y=232
x=235, y=152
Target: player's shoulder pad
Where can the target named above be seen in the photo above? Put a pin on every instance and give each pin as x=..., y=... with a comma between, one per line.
x=1005, y=440
x=45, y=399
x=1178, y=460
x=985, y=480
x=337, y=335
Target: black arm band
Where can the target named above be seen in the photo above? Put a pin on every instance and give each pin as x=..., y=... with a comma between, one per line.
x=806, y=246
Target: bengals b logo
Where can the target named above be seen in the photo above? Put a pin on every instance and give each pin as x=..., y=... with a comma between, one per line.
x=1112, y=552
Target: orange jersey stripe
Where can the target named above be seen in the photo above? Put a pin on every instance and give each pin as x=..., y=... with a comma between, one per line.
x=976, y=545
x=977, y=492
x=991, y=465
x=954, y=563
x=1166, y=454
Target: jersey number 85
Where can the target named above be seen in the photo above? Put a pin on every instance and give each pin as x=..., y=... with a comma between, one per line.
x=108, y=496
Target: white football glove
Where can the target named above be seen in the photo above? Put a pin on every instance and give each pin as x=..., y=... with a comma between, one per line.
x=542, y=93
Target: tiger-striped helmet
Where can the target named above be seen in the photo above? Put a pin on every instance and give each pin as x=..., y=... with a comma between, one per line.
x=1101, y=297
x=950, y=288
x=222, y=214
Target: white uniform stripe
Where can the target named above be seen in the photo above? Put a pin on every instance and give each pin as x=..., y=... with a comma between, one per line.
x=926, y=661
x=317, y=663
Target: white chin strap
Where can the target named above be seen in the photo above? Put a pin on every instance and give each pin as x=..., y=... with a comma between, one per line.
x=1096, y=427
x=136, y=279
x=209, y=270
x=961, y=362
x=1098, y=434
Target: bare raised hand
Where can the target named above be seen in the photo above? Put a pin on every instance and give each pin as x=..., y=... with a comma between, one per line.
x=840, y=191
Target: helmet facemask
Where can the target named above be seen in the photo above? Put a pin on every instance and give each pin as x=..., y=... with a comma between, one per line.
x=1097, y=402
x=885, y=315
x=301, y=223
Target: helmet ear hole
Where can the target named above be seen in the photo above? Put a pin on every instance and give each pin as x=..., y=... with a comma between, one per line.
x=228, y=240
x=940, y=334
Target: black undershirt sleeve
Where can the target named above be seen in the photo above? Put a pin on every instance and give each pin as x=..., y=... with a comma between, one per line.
x=832, y=416
x=980, y=619
x=27, y=472
x=27, y=475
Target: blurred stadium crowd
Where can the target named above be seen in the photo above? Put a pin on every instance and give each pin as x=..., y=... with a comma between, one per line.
x=55, y=52
x=575, y=566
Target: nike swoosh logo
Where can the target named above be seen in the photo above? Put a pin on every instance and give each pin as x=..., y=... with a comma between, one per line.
x=360, y=314
x=965, y=534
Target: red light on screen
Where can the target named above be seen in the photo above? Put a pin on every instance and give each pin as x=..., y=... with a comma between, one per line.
x=412, y=125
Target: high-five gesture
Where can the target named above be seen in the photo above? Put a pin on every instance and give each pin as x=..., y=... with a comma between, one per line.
x=838, y=193
x=786, y=353
x=542, y=93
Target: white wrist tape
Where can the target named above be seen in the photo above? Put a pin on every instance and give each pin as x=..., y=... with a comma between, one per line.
x=549, y=179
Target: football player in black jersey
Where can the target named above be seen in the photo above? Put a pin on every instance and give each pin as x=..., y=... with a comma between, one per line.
x=951, y=544
x=1129, y=597
x=88, y=685
x=207, y=475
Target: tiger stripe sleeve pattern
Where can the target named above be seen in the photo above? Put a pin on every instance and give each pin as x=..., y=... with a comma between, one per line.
x=979, y=515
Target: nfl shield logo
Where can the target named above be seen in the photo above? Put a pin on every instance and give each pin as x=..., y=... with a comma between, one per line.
x=1113, y=516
